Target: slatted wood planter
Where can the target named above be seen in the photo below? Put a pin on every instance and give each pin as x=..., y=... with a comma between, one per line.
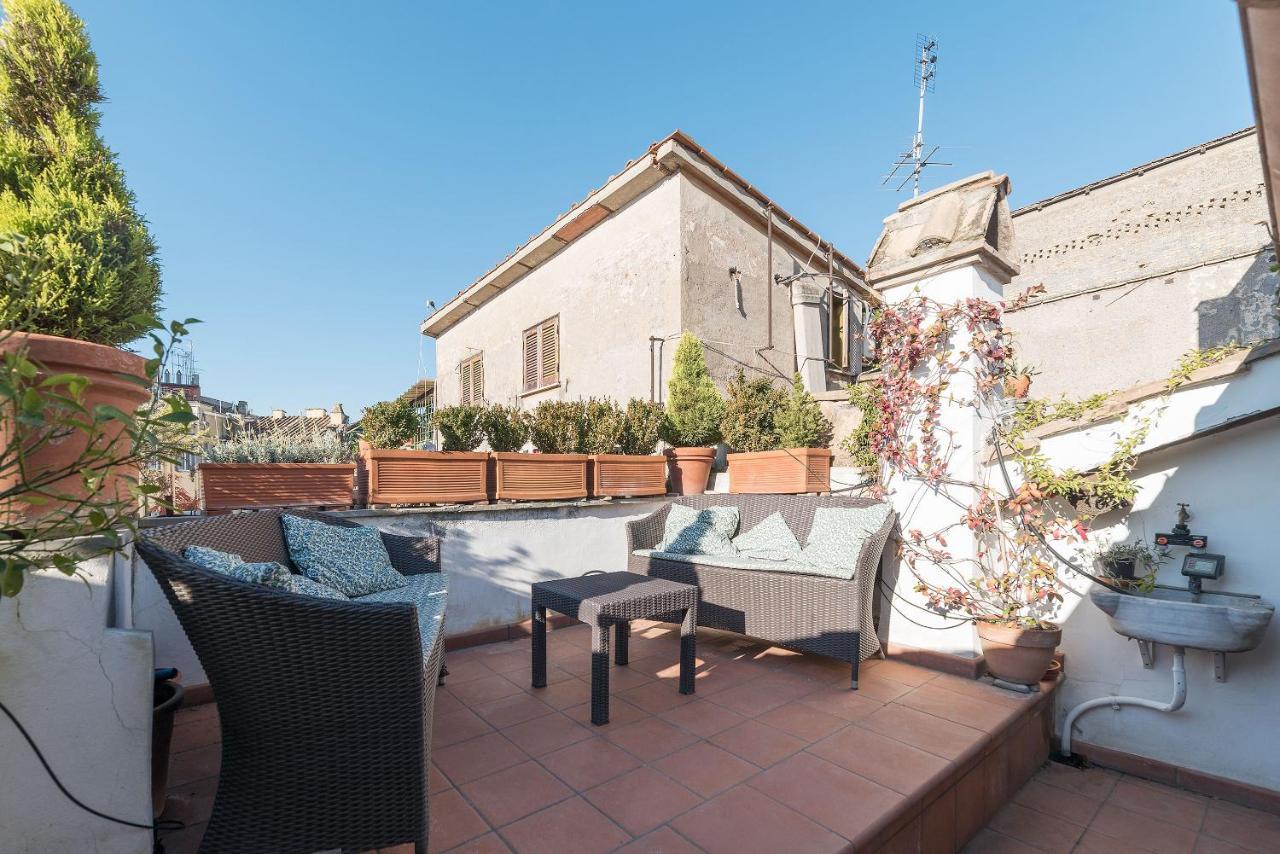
x=789, y=471
x=425, y=477
x=239, y=486
x=624, y=475
x=540, y=477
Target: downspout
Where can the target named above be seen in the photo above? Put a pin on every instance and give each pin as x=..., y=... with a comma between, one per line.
x=1179, y=698
x=768, y=274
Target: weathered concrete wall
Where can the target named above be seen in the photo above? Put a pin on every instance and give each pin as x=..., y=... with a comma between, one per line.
x=1139, y=271
x=613, y=287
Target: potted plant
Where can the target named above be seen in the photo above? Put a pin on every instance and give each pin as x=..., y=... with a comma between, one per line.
x=1017, y=379
x=396, y=473
x=694, y=412
x=251, y=469
x=557, y=429
x=1133, y=564
x=782, y=438
x=621, y=443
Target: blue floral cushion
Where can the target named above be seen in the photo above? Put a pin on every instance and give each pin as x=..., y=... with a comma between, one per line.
x=707, y=531
x=429, y=592
x=305, y=586
x=352, y=561
x=771, y=539
x=839, y=534
x=268, y=574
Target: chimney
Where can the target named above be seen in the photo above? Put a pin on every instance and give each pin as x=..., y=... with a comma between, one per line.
x=314, y=412
x=337, y=417
x=277, y=413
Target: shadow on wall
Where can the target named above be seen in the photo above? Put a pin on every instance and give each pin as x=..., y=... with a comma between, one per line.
x=1248, y=313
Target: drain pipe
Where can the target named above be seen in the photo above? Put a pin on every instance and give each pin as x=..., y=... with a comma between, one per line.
x=1179, y=698
x=768, y=275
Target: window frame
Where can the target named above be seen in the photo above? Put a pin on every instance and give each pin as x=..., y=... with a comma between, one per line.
x=543, y=381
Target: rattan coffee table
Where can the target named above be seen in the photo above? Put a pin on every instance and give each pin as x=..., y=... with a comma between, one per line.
x=613, y=599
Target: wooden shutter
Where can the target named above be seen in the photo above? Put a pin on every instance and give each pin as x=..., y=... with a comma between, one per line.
x=530, y=361
x=477, y=379
x=464, y=382
x=550, y=356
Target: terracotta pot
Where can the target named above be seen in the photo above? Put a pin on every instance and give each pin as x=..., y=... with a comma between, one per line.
x=628, y=474
x=425, y=477
x=237, y=486
x=790, y=471
x=1018, y=655
x=101, y=366
x=1018, y=387
x=539, y=477
x=690, y=468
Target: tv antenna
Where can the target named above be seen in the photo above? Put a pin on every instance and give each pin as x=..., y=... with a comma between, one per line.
x=915, y=160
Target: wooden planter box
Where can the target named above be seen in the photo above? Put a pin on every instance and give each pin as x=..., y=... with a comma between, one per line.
x=538, y=477
x=790, y=471
x=236, y=486
x=425, y=477
x=628, y=474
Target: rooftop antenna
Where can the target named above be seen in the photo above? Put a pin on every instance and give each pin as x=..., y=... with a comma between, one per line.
x=915, y=160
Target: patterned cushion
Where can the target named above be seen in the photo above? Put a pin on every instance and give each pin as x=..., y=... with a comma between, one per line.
x=705, y=531
x=771, y=539
x=352, y=561
x=306, y=587
x=796, y=566
x=838, y=535
x=429, y=591
x=268, y=574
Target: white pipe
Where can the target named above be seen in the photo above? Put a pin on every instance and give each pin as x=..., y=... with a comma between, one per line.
x=1179, y=698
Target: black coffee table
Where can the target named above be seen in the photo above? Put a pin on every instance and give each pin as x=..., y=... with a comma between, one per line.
x=613, y=599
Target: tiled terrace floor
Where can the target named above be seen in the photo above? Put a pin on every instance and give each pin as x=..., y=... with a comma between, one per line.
x=773, y=754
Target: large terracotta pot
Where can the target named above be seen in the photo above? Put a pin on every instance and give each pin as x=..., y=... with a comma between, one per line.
x=690, y=468
x=425, y=477
x=1018, y=655
x=790, y=471
x=539, y=477
x=628, y=474
x=238, y=486
x=101, y=366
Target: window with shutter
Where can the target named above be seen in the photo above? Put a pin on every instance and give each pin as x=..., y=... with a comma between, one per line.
x=550, y=372
x=540, y=355
x=471, y=380
x=530, y=369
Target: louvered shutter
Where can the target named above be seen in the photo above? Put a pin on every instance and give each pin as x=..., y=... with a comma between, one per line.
x=550, y=351
x=530, y=359
x=477, y=380
x=464, y=382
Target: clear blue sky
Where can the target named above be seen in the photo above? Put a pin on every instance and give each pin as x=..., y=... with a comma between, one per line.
x=314, y=172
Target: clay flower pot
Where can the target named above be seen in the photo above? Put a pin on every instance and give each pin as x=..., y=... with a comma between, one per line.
x=623, y=475
x=690, y=468
x=238, y=486
x=539, y=477
x=1018, y=655
x=424, y=477
x=790, y=471
x=101, y=366
x=1018, y=387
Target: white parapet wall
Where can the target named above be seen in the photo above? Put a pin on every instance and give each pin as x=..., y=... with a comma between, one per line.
x=82, y=689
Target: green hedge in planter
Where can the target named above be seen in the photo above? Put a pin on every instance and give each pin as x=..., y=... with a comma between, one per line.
x=459, y=426
x=316, y=446
x=391, y=424
x=800, y=422
x=751, y=412
x=504, y=428
x=641, y=427
x=559, y=426
x=603, y=424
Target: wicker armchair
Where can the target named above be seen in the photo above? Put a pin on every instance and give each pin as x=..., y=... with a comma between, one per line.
x=325, y=705
x=827, y=616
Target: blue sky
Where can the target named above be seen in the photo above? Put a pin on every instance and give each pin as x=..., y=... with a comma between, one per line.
x=314, y=172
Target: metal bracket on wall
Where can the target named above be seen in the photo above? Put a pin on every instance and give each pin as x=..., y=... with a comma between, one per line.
x=1219, y=667
x=1148, y=651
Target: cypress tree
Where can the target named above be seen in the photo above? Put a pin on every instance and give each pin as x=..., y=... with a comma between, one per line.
x=694, y=406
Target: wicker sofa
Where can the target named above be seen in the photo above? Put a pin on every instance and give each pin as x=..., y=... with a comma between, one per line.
x=828, y=616
x=325, y=705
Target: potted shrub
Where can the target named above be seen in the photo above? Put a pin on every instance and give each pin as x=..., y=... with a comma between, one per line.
x=557, y=429
x=249, y=470
x=396, y=473
x=621, y=443
x=694, y=412
x=1017, y=379
x=1133, y=564
x=783, y=438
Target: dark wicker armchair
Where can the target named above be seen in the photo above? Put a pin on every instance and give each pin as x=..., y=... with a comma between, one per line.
x=827, y=616
x=325, y=705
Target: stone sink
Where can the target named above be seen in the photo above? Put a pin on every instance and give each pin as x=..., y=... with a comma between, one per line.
x=1209, y=621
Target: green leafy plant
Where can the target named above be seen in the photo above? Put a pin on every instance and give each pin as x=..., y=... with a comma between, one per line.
x=459, y=426
x=1135, y=563
x=641, y=427
x=504, y=428
x=694, y=406
x=800, y=422
x=865, y=396
x=90, y=265
x=604, y=426
x=312, y=445
x=558, y=427
x=391, y=423
x=751, y=410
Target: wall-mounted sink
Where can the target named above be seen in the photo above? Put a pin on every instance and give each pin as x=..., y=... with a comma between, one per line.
x=1179, y=618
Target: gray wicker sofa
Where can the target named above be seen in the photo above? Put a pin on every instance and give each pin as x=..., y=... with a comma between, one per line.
x=827, y=616
x=325, y=705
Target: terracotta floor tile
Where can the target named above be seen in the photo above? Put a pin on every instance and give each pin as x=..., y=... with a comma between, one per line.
x=1165, y=803
x=1093, y=842
x=622, y=678
x=511, y=661
x=190, y=803
x=649, y=739
x=938, y=824
x=1051, y=800
x=446, y=703
x=1248, y=828
x=477, y=758
x=990, y=842
x=1142, y=831
x=465, y=668
x=744, y=821
x=515, y=709
x=621, y=713
x=851, y=805
x=842, y=702
x=664, y=665
x=982, y=689
x=656, y=697
x=702, y=718
x=455, y=727
x=547, y=733
x=900, y=767
x=1037, y=829
x=705, y=768
x=881, y=688
x=436, y=780
x=201, y=714
x=750, y=699
x=569, y=827
x=1206, y=844
x=722, y=674
x=490, y=843
x=185, y=840
x=198, y=764
x=936, y=735
x=978, y=714
x=907, y=674
x=514, y=793
x=642, y=799
x=1095, y=783
x=453, y=821
x=198, y=733
x=484, y=689
x=561, y=695
x=664, y=840
x=971, y=810
x=804, y=722
x=757, y=743
x=589, y=763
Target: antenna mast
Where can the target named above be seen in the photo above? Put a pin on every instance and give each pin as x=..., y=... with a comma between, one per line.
x=926, y=69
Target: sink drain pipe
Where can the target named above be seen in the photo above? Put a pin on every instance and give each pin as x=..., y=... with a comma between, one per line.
x=1179, y=698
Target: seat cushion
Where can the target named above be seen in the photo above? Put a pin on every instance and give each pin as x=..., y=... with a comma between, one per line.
x=796, y=567
x=268, y=574
x=352, y=561
x=839, y=534
x=770, y=539
x=429, y=591
x=706, y=531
